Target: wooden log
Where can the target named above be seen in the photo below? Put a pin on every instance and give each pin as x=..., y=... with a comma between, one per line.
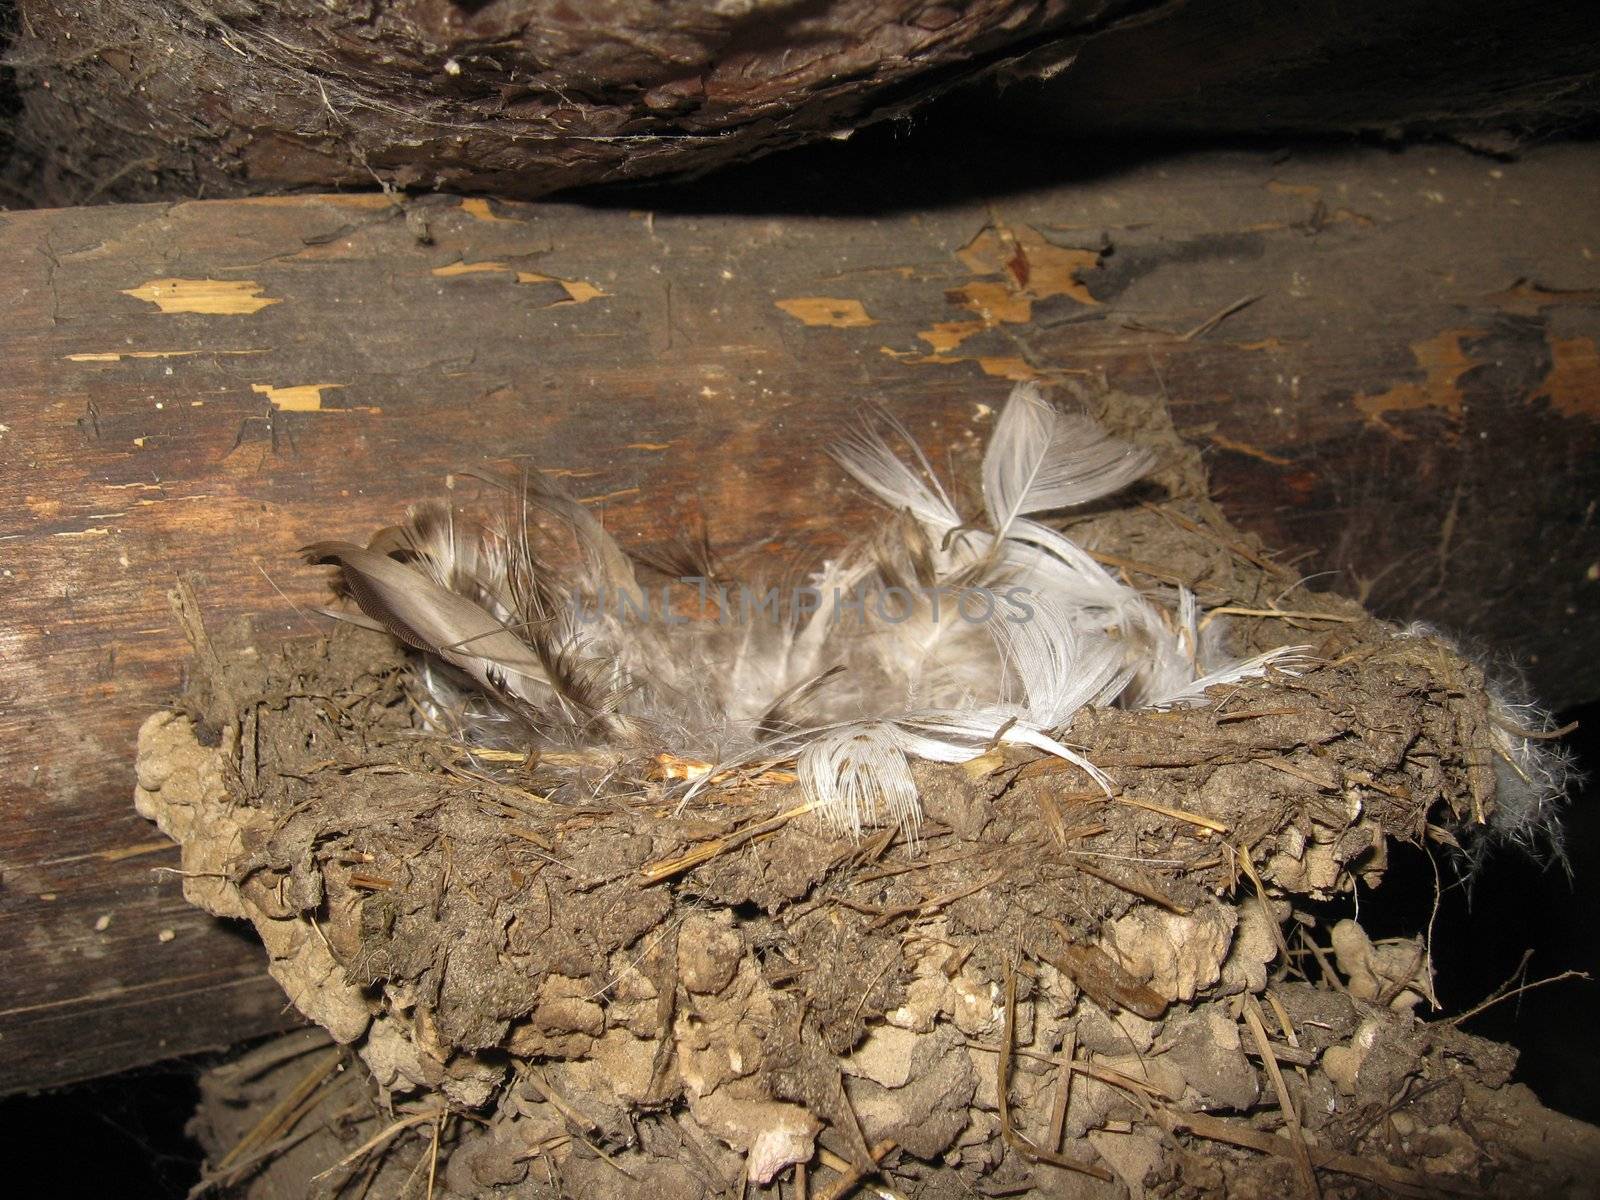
x=148, y=99
x=1390, y=361
x=516, y=97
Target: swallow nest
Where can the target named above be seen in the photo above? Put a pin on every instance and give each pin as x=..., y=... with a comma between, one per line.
x=972, y=860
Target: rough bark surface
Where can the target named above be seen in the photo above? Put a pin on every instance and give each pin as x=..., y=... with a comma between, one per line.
x=200, y=389
x=519, y=97
x=137, y=99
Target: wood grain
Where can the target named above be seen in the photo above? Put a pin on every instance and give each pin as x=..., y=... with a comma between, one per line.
x=1411, y=396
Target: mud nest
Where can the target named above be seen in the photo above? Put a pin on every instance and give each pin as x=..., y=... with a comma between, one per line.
x=1057, y=993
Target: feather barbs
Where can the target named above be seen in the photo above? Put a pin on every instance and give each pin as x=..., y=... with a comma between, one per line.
x=1001, y=630
x=1041, y=459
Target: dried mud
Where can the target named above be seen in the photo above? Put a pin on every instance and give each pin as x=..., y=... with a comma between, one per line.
x=1054, y=994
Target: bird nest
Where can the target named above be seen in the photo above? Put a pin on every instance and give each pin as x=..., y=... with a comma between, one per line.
x=1047, y=987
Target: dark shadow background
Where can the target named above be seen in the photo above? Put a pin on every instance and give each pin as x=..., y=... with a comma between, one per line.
x=1515, y=904
x=10, y=102
x=121, y=1138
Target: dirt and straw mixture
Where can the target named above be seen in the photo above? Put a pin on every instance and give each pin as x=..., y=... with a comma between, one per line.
x=1055, y=993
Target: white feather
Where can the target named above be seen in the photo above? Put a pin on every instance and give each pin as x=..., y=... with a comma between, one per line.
x=1039, y=459
x=864, y=453
x=851, y=701
x=858, y=777
x=963, y=736
x=1285, y=658
x=1059, y=669
x=1050, y=563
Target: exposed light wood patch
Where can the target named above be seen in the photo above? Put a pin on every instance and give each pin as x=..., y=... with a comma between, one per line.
x=450, y=270
x=1444, y=361
x=215, y=297
x=840, y=313
x=945, y=336
x=579, y=291
x=370, y=201
x=1573, y=384
x=306, y=397
x=1031, y=268
x=478, y=208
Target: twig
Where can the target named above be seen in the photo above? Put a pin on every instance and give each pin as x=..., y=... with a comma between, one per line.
x=1220, y=316
x=1055, y=766
x=666, y=868
x=1301, y=1058
x=557, y=1102
x=433, y=1156
x=1233, y=547
x=1133, y=887
x=853, y=1174
x=1008, y=1134
x=893, y=957
x=1540, y=735
x=924, y=907
x=1242, y=854
x=1232, y=1133
x=1002, y=1066
x=376, y=1140
x=1139, y=568
x=216, y=1181
x=1283, y=614
x=1318, y=953
x=1082, y=1067
x=1527, y=987
x=1291, y=1118
x=1288, y=768
x=1058, y=1111
x=280, y=1118
x=1177, y=814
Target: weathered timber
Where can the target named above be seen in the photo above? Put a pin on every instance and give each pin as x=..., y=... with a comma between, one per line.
x=1410, y=400
x=149, y=99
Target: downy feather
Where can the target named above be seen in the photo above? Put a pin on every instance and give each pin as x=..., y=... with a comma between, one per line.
x=525, y=648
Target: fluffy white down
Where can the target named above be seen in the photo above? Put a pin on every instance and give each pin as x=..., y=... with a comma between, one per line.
x=936, y=638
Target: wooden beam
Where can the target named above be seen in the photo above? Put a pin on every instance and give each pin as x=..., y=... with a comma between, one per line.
x=1410, y=395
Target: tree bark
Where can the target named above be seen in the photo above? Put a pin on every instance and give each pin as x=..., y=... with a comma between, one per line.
x=129, y=99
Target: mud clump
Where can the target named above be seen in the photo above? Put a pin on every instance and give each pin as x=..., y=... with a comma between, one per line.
x=1055, y=993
